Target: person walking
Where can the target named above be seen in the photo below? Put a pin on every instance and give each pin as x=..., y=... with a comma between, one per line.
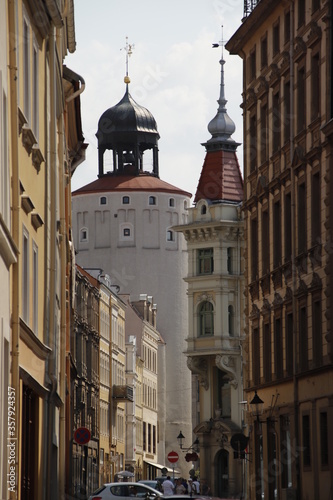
x=167, y=486
x=180, y=488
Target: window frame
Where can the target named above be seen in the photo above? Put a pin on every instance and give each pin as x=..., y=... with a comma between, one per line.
x=203, y=315
x=205, y=257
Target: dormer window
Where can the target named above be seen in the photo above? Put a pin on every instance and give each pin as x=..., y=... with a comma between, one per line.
x=152, y=200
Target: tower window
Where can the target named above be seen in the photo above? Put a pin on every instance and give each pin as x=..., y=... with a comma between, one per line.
x=126, y=200
x=84, y=234
x=152, y=200
x=102, y=200
x=205, y=261
x=127, y=232
x=171, y=202
x=203, y=210
x=170, y=235
x=206, y=319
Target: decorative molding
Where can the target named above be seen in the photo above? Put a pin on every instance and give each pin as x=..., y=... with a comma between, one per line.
x=36, y=220
x=300, y=48
x=21, y=119
x=198, y=366
x=37, y=157
x=28, y=138
x=26, y=204
x=314, y=35
x=204, y=297
x=227, y=364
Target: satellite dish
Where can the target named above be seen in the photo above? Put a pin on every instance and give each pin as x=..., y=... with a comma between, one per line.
x=239, y=442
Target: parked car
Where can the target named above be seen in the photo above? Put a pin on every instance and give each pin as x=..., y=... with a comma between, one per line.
x=125, y=491
x=153, y=483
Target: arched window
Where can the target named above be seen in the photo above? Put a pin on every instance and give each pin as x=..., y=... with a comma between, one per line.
x=84, y=234
x=152, y=200
x=126, y=200
x=206, y=319
x=170, y=235
x=203, y=210
x=231, y=322
x=102, y=200
x=171, y=202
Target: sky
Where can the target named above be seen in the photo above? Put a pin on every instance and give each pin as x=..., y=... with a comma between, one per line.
x=174, y=71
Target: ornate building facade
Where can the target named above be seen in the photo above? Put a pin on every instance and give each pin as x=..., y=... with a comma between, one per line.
x=215, y=243
x=287, y=101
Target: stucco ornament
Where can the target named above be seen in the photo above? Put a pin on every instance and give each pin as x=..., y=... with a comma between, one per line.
x=227, y=364
x=198, y=366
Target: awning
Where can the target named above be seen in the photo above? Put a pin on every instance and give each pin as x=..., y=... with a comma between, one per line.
x=159, y=466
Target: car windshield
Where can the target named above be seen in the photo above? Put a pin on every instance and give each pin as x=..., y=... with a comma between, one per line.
x=128, y=490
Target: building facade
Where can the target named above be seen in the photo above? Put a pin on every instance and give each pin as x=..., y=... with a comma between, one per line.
x=287, y=101
x=122, y=223
x=215, y=243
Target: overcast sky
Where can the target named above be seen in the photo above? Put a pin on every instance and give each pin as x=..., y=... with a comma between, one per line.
x=174, y=72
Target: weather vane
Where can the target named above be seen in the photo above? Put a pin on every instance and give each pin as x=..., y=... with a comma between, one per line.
x=129, y=50
x=221, y=43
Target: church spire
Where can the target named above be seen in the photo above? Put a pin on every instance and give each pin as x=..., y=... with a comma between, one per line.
x=221, y=127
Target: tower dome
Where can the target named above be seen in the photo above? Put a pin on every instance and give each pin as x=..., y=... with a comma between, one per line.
x=127, y=129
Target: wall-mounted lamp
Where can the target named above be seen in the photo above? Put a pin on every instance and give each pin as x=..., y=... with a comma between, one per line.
x=256, y=405
x=180, y=438
x=194, y=446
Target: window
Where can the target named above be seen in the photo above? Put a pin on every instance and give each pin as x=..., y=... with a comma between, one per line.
x=276, y=122
x=254, y=249
x=126, y=231
x=315, y=209
x=205, y=261
x=277, y=234
x=278, y=348
x=255, y=356
x=306, y=441
x=231, y=321
x=287, y=112
x=171, y=202
x=35, y=96
x=287, y=27
x=102, y=200
x=263, y=134
x=301, y=12
x=84, y=234
x=253, y=142
x=126, y=200
x=203, y=210
x=315, y=5
x=289, y=343
x=170, y=235
x=301, y=223
x=4, y=167
x=35, y=288
x=287, y=227
x=267, y=354
x=264, y=52
x=301, y=99
x=230, y=252
x=323, y=439
x=206, y=319
x=303, y=338
x=26, y=69
x=253, y=65
x=316, y=332
x=315, y=87
x=152, y=200
x=276, y=39
x=265, y=242
x=25, y=276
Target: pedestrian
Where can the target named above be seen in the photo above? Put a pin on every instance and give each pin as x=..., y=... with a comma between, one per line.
x=167, y=486
x=179, y=488
x=194, y=486
x=205, y=489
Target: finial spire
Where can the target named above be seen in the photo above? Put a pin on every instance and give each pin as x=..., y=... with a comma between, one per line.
x=129, y=50
x=221, y=126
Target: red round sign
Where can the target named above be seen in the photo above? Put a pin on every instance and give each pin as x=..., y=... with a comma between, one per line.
x=82, y=435
x=173, y=457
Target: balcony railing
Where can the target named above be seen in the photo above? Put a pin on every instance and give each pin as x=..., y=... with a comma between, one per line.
x=249, y=5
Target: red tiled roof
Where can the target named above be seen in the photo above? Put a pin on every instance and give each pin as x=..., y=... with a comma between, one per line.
x=221, y=178
x=141, y=182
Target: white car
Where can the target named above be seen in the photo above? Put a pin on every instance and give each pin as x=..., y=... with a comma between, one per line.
x=124, y=491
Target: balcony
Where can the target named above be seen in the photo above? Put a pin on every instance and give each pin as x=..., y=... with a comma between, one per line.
x=122, y=393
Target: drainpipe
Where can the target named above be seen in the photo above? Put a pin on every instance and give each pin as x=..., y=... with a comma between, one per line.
x=15, y=319
x=293, y=253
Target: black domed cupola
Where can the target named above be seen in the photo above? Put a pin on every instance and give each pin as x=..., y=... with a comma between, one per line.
x=128, y=129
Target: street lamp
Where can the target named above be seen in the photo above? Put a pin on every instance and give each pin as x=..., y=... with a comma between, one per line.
x=256, y=405
x=180, y=438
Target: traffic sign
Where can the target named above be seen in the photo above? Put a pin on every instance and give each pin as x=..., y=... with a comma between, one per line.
x=82, y=435
x=173, y=457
